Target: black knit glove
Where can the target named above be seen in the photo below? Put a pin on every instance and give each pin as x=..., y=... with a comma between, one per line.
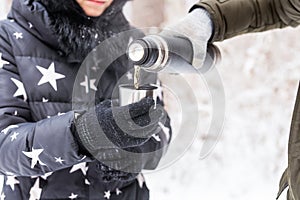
x=127, y=126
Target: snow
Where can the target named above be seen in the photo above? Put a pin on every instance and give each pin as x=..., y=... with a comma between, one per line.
x=260, y=75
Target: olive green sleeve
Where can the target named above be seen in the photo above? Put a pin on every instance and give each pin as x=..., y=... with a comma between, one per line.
x=235, y=17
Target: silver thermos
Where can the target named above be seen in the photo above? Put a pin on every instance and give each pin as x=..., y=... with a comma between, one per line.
x=170, y=54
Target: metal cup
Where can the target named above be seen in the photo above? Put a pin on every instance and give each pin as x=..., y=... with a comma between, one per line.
x=128, y=94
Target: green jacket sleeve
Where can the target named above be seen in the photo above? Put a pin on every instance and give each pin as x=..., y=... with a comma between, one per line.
x=235, y=17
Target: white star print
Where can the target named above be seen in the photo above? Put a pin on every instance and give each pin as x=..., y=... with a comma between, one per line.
x=73, y=196
x=166, y=130
x=18, y=35
x=87, y=182
x=76, y=115
x=87, y=85
x=35, y=191
x=81, y=166
x=140, y=178
x=2, y=62
x=34, y=155
x=107, y=194
x=5, y=131
x=84, y=157
x=12, y=20
x=30, y=25
x=156, y=137
x=130, y=40
x=60, y=113
x=59, y=160
x=2, y=197
x=12, y=181
x=21, y=90
x=129, y=76
x=118, y=191
x=14, y=136
x=49, y=76
x=45, y=176
x=45, y=100
x=16, y=112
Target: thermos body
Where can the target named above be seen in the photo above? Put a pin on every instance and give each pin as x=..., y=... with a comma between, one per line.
x=169, y=54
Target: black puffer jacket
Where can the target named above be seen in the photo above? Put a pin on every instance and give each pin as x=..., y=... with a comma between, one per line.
x=39, y=154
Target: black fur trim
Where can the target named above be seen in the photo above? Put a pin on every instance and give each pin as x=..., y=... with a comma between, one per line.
x=77, y=33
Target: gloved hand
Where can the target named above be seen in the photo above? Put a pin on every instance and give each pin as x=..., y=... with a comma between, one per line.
x=198, y=27
x=122, y=127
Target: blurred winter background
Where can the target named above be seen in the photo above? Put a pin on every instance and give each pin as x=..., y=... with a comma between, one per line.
x=260, y=74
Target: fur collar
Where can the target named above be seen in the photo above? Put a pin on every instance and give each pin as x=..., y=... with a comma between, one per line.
x=77, y=33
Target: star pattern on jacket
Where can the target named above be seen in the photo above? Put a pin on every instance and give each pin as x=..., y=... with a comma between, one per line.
x=59, y=160
x=166, y=130
x=35, y=191
x=141, y=180
x=107, y=194
x=45, y=176
x=87, y=182
x=34, y=155
x=88, y=84
x=2, y=197
x=20, y=89
x=14, y=136
x=18, y=35
x=118, y=191
x=2, y=62
x=30, y=25
x=156, y=137
x=80, y=166
x=73, y=196
x=12, y=181
x=5, y=131
x=49, y=76
x=129, y=76
x=44, y=100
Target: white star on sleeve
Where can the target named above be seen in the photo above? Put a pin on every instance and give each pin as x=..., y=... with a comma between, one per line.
x=30, y=25
x=59, y=160
x=60, y=113
x=45, y=176
x=2, y=197
x=35, y=191
x=107, y=194
x=14, y=136
x=156, y=137
x=81, y=166
x=73, y=196
x=18, y=35
x=118, y=191
x=129, y=76
x=34, y=155
x=140, y=178
x=166, y=130
x=2, y=62
x=87, y=182
x=45, y=100
x=50, y=76
x=20, y=89
x=12, y=181
x=5, y=131
x=88, y=84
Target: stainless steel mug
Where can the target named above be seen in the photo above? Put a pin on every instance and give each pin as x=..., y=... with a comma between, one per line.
x=128, y=94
